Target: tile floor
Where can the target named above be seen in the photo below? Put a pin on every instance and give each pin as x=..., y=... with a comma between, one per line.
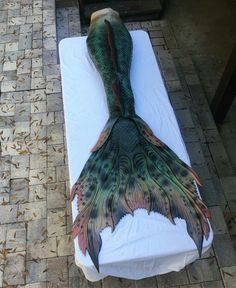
x=35, y=219
x=197, y=26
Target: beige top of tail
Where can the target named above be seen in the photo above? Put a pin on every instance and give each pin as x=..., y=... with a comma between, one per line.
x=102, y=12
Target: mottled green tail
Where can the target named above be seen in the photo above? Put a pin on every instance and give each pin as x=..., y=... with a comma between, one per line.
x=110, y=47
x=129, y=167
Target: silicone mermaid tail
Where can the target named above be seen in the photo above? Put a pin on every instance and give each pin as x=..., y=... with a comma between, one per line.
x=129, y=168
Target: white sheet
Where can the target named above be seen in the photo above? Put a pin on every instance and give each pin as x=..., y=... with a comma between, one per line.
x=143, y=245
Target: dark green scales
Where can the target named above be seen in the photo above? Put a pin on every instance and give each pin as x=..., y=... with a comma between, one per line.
x=129, y=167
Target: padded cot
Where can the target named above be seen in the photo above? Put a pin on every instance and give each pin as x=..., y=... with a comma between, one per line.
x=142, y=245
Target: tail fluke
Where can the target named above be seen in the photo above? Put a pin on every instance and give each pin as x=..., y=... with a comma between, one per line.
x=128, y=169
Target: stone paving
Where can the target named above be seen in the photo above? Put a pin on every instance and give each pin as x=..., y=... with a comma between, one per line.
x=199, y=34
x=36, y=249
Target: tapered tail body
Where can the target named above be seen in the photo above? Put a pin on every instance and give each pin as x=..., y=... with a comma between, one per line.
x=129, y=167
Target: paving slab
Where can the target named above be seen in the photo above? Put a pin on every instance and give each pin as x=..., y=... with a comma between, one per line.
x=229, y=276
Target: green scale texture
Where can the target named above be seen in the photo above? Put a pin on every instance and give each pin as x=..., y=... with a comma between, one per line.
x=129, y=167
x=108, y=36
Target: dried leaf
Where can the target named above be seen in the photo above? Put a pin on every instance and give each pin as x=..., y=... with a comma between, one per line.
x=35, y=260
x=23, y=152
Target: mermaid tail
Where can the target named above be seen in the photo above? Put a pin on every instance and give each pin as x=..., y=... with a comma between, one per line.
x=133, y=169
x=129, y=168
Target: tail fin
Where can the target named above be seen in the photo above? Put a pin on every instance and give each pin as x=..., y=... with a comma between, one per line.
x=128, y=169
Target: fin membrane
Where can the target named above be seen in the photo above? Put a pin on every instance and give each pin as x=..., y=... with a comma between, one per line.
x=128, y=169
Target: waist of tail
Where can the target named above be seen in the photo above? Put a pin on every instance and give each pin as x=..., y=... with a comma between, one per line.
x=122, y=95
